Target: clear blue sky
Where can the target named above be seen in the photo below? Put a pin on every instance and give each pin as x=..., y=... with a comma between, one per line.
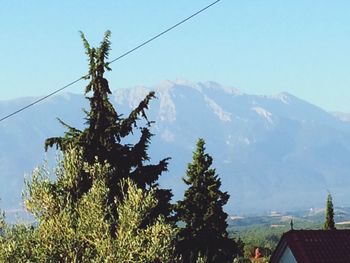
x=259, y=47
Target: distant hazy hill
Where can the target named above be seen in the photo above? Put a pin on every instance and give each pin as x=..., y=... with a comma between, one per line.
x=272, y=153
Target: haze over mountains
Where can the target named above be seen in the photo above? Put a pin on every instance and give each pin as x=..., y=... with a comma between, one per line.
x=271, y=152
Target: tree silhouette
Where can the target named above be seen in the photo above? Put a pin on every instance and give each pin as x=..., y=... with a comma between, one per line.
x=329, y=221
x=103, y=139
x=201, y=211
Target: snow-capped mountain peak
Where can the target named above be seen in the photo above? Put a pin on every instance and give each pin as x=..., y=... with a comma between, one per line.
x=263, y=147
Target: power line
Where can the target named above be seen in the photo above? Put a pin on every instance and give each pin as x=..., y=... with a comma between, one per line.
x=41, y=99
x=114, y=60
x=164, y=32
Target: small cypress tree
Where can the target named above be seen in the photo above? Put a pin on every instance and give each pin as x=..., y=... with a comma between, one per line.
x=104, y=138
x=204, y=234
x=2, y=221
x=329, y=221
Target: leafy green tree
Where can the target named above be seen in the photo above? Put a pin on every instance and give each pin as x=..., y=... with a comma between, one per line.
x=104, y=204
x=329, y=221
x=204, y=233
x=106, y=138
x=77, y=231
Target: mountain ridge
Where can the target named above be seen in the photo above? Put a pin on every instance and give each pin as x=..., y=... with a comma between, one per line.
x=265, y=148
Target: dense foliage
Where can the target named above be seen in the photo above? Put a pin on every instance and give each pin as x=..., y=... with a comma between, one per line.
x=102, y=203
x=70, y=231
x=204, y=233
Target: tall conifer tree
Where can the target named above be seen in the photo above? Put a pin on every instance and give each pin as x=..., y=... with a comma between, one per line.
x=329, y=221
x=103, y=138
x=204, y=233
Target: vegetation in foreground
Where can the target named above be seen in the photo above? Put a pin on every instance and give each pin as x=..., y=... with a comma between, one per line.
x=79, y=231
x=102, y=202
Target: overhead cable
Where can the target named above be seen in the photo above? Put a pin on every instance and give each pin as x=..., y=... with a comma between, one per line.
x=110, y=62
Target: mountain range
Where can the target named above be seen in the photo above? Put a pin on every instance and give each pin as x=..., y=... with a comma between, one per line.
x=271, y=152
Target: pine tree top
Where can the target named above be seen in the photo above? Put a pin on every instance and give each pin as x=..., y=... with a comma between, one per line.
x=201, y=208
x=201, y=211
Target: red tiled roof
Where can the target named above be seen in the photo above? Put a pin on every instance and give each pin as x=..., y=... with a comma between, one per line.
x=316, y=246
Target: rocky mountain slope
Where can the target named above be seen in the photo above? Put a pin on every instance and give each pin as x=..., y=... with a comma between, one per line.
x=272, y=152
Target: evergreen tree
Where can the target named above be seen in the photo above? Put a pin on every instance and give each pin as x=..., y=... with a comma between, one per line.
x=104, y=137
x=329, y=222
x=204, y=233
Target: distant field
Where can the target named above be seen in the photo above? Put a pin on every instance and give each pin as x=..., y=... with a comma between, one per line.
x=265, y=231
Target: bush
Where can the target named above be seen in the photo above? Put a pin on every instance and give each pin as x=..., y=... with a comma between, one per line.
x=78, y=230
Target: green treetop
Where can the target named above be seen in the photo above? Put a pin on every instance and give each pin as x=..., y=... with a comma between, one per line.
x=204, y=233
x=329, y=221
x=104, y=137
